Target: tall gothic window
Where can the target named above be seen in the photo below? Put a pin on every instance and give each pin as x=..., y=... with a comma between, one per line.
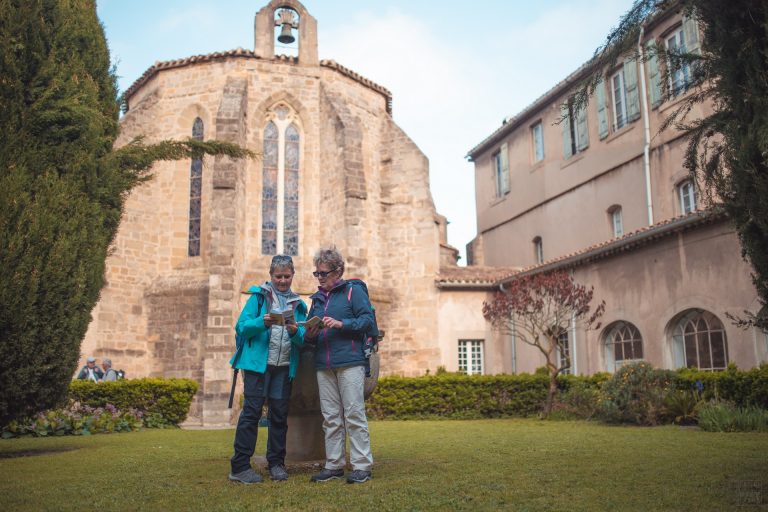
x=280, y=184
x=195, y=193
x=699, y=341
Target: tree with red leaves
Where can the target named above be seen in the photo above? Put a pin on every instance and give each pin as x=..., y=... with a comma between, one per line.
x=538, y=309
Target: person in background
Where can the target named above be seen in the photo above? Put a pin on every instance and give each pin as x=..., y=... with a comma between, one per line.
x=340, y=362
x=90, y=371
x=109, y=374
x=268, y=356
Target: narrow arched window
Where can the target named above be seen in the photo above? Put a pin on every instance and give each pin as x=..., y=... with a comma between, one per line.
x=280, y=183
x=195, y=193
x=269, y=190
x=291, y=213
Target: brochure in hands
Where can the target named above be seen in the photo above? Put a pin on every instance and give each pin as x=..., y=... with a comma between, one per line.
x=283, y=316
x=312, y=323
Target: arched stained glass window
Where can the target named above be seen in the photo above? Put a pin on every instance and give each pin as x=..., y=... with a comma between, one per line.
x=291, y=214
x=269, y=190
x=280, y=184
x=195, y=193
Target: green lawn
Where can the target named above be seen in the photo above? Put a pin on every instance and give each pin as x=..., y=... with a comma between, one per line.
x=420, y=465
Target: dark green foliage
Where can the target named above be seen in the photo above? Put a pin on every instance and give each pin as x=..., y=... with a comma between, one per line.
x=728, y=149
x=743, y=388
x=461, y=396
x=62, y=188
x=636, y=394
x=159, y=400
x=682, y=406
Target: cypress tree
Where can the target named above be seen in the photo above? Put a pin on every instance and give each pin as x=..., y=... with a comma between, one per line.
x=62, y=187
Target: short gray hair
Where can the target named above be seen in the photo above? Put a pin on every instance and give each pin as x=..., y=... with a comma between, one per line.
x=281, y=261
x=107, y=362
x=329, y=256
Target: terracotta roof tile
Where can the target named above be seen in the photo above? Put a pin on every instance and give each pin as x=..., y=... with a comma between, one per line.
x=472, y=276
x=629, y=241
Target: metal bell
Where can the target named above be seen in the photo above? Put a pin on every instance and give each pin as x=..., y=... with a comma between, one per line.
x=286, y=34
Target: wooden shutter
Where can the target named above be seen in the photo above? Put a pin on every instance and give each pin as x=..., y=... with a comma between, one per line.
x=582, y=128
x=602, y=114
x=630, y=87
x=654, y=76
x=691, y=35
x=566, y=125
x=504, y=169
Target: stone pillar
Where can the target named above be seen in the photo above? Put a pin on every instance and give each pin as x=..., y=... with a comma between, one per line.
x=222, y=290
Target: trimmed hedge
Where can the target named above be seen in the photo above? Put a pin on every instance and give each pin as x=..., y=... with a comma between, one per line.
x=454, y=396
x=745, y=388
x=168, y=400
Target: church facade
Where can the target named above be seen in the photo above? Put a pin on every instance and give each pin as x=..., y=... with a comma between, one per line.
x=333, y=168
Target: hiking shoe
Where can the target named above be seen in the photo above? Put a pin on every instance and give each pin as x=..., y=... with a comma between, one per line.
x=249, y=476
x=359, y=476
x=328, y=474
x=278, y=473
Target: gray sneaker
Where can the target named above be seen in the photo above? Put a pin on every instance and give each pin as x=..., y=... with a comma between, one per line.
x=249, y=476
x=328, y=474
x=359, y=476
x=278, y=472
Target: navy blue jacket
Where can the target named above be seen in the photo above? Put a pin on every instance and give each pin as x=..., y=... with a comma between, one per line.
x=335, y=348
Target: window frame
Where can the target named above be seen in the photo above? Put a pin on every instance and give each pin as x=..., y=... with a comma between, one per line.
x=537, y=138
x=684, y=185
x=681, y=75
x=564, y=350
x=619, y=104
x=617, y=214
x=470, y=351
x=680, y=337
x=610, y=343
x=538, y=250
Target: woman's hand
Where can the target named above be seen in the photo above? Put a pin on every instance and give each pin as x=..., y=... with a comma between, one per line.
x=269, y=320
x=291, y=328
x=332, y=323
x=312, y=332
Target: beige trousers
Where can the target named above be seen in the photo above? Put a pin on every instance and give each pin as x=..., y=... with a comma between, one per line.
x=343, y=407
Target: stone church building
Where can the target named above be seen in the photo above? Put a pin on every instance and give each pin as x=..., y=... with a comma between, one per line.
x=333, y=168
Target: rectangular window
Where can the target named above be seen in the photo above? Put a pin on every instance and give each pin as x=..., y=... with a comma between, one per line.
x=619, y=100
x=679, y=72
x=471, y=357
x=537, y=134
x=687, y=196
x=575, y=129
x=538, y=249
x=618, y=223
x=501, y=171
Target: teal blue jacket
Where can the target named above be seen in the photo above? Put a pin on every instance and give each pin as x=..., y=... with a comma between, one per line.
x=250, y=328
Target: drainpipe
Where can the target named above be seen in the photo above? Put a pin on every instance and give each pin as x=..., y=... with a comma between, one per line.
x=574, y=358
x=646, y=128
x=514, y=339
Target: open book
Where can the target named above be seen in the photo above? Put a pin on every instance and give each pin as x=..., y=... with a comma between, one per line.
x=312, y=323
x=283, y=316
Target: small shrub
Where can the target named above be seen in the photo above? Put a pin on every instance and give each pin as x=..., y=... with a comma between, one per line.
x=579, y=401
x=636, y=394
x=682, y=407
x=75, y=419
x=726, y=417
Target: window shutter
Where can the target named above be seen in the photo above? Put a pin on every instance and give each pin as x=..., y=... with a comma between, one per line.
x=566, y=125
x=582, y=128
x=654, y=77
x=691, y=35
x=504, y=169
x=602, y=114
x=630, y=86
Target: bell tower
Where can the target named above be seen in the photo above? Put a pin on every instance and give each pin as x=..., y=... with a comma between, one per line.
x=292, y=19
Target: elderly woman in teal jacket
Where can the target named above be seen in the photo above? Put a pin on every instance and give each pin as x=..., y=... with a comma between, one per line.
x=268, y=354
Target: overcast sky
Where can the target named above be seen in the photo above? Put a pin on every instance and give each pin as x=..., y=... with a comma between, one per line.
x=455, y=69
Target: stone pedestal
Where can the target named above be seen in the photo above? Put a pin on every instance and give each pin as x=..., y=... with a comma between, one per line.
x=305, y=441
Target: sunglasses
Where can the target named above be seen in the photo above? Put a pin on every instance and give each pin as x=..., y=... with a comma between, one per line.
x=323, y=275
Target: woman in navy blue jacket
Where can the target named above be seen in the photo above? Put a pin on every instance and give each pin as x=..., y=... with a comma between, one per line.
x=346, y=315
